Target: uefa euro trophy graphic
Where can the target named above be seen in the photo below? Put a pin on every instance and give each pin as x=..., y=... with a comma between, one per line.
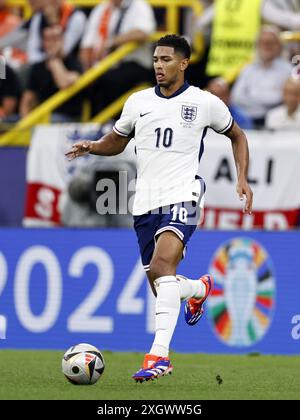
x=240, y=292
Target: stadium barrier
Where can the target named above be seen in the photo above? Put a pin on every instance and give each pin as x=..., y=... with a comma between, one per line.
x=61, y=287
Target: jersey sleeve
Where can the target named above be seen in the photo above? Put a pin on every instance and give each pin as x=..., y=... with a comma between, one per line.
x=219, y=115
x=126, y=123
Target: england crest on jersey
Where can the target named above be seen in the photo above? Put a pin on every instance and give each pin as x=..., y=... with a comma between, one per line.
x=188, y=113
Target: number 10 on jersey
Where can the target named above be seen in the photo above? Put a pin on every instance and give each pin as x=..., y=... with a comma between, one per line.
x=167, y=137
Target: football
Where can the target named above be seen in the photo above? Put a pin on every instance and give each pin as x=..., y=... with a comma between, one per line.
x=83, y=364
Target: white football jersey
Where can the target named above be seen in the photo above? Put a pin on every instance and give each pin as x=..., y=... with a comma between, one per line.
x=169, y=134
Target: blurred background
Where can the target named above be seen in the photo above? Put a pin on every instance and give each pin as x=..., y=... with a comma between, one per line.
x=66, y=69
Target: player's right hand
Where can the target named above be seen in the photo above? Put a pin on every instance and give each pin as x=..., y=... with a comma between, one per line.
x=244, y=190
x=79, y=149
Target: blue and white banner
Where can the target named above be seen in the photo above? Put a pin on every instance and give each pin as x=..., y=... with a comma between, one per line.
x=61, y=287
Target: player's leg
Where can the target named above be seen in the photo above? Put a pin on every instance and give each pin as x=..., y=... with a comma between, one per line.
x=151, y=282
x=190, y=288
x=194, y=292
x=166, y=257
x=160, y=263
x=145, y=227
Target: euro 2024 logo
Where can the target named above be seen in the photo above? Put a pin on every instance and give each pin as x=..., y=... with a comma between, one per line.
x=241, y=305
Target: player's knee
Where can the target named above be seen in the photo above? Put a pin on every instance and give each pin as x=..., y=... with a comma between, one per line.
x=159, y=267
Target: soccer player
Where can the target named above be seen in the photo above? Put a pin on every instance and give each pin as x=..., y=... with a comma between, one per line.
x=169, y=123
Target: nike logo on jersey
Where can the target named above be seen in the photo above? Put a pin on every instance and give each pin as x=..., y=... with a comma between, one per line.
x=146, y=113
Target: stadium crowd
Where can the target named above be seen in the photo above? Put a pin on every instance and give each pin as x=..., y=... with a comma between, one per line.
x=252, y=73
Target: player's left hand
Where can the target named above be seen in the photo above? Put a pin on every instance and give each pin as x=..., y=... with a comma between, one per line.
x=243, y=189
x=79, y=149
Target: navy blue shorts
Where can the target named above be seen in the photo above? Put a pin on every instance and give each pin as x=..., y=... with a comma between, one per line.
x=180, y=218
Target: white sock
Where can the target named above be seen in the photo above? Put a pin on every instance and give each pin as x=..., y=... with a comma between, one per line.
x=167, y=310
x=190, y=288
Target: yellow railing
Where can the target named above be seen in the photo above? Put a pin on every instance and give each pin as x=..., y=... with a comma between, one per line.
x=172, y=13
x=20, y=134
x=115, y=107
x=170, y=5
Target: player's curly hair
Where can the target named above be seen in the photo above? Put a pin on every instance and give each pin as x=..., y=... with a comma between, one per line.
x=179, y=43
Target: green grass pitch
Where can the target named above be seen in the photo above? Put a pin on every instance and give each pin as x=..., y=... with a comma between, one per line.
x=32, y=375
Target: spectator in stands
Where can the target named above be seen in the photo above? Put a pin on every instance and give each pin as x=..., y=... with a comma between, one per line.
x=286, y=15
x=9, y=23
x=55, y=73
x=259, y=86
x=220, y=87
x=8, y=20
x=283, y=13
x=235, y=27
x=112, y=24
x=286, y=116
x=9, y=95
x=18, y=37
x=55, y=12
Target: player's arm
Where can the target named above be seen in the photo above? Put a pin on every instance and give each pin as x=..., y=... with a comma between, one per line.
x=109, y=145
x=241, y=156
x=114, y=142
